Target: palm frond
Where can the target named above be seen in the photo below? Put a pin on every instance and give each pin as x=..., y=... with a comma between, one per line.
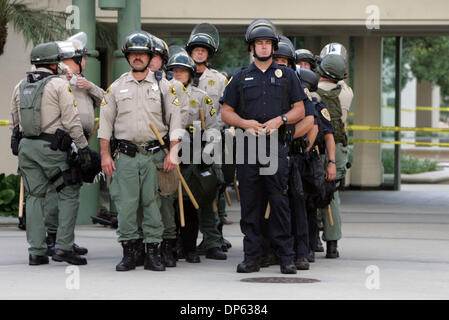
x=37, y=25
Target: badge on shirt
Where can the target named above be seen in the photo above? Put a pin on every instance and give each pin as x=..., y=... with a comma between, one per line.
x=278, y=73
x=172, y=90
x=103, y=102
x=74, y=103
x=307, y=92
x=211, y=83
x=69, y=88
x=208, y=101
x=176, y=102
x=212, y=111
x=326, y=114
x=193, y=103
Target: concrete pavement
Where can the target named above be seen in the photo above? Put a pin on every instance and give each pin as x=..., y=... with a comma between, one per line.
x=395, y=246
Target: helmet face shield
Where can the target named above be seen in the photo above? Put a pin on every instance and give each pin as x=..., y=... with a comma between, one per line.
x=262, y=29
x=334, y=48
x=181, y=59
x=79, y=41
x=204, y=35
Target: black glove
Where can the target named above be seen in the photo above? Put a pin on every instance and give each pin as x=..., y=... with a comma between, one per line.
x=85, y=158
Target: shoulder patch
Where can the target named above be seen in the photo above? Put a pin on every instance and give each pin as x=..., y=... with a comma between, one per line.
x=172, y=90
x=184, y=89
x=211, y=83
x=307, y=92
x=326, y=114
x=208, y=101
x=212, y=111
x=69, y=88
x=74, y=103
x=176, y=102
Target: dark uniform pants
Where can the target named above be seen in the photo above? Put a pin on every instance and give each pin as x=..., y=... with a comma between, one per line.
x=253, y=187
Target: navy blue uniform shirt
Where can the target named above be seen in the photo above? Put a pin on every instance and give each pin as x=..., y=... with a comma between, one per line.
x=324, y=118
x=263, y=92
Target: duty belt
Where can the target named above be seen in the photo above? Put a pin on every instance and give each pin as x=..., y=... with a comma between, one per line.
x=43, y=136
x=129, y=148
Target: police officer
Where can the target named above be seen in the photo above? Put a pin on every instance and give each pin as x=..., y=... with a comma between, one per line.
x=131, y=103
x=183, y=69
x=88, y=96
x=44, y=111
x=305, y=59
x=324, y=140
x=337, y=97
x=202, y=45
x=261, y=99
x=285, y=55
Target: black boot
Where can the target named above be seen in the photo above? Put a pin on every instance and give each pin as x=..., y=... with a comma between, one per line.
x=311, y=256
x=216, y=254
x=225, y=243
x=79, y=250
x=302, y=264
x=331, y=249
x=248, y=266
x=51, y=242
x=167, y=257
x=152, y=258
x=288, y=268
x=192, y=257
x=68, y=256
x=139, y=253
x=201, y=249
x=129, y=260
x=35, y=260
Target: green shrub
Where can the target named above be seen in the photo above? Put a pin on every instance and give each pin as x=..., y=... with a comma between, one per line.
x=409, y=165
x=9, y=195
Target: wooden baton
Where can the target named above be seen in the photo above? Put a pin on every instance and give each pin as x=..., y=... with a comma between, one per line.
x=184, y=183
x=236, y=188
x=267, y=211
x=21, y=196
x=228, y=197
x=181, y=206
x=329, y=212
x=92, y=133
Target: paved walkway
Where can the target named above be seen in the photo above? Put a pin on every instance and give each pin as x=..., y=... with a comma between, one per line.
x=395, y=246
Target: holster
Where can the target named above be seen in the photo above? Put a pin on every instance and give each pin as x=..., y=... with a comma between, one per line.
x=15, y=140
x=61, y=140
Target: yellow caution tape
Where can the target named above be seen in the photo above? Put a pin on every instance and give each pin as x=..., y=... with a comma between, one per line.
x=355, y=127
x=420, y=108
x=399, y=142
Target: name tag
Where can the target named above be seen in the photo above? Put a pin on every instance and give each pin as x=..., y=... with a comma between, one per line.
x=124, y=90
x=246, y=79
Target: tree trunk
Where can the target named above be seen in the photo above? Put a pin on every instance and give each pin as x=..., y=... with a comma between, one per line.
x=3, y=35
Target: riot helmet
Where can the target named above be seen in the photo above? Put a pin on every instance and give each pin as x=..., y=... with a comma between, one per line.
x=180, y=59
x=285, y=50
x=307, y=56
x=138, y=41
x=261, y=29
x=333, y=66
x=334, y=48
x=204, y=35
x=308, y=78
x=160, y=47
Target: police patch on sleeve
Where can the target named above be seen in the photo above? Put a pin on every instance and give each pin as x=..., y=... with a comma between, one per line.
x=69, y=89
x=208, y=101
x=172, y=90
x=307, y=92
x=212, y=111
x=74, y=103
x=326, y=114
x=176, y=102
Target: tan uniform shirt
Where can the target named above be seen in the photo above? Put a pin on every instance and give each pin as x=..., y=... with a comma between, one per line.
x=198, y=99
x=57, y=99
x=346, y=96
x=214, y=83
x=86, y=101
x=130, y=106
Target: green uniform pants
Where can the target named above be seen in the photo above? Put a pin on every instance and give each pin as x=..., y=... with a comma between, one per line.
x=135, y=183
x=38, y=164
x=221, y=200
x=51, y=210
x=168, y=216
x=334, y=232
